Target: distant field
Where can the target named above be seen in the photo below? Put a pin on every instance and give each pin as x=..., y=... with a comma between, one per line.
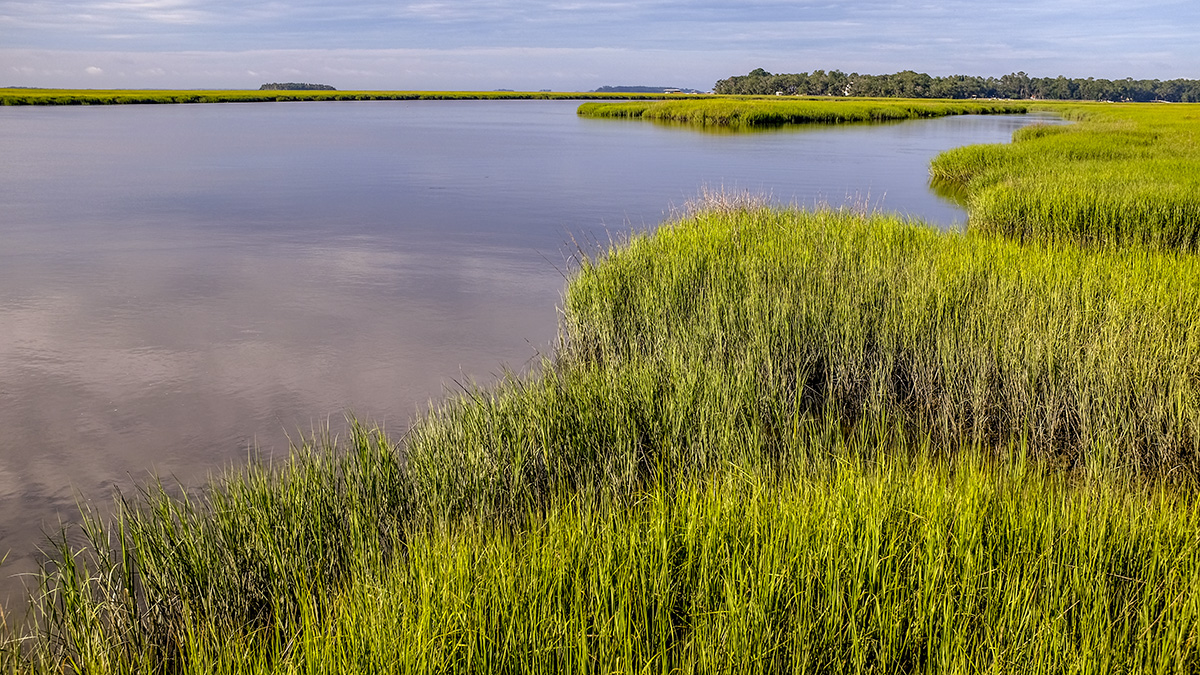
x=144, y=96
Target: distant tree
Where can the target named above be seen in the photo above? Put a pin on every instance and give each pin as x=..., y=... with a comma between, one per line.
x=909, y=84
x=1097, y=90
x=1058, y=88
x=1015, y=85
x=837, y=83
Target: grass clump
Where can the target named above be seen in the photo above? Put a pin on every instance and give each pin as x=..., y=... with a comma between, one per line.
x=1087, y=357
x=754, y=112
x=253, y=550
x=770, y=441
x=1123, y=175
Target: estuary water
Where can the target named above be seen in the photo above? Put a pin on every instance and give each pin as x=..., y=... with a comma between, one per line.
x=181, y=284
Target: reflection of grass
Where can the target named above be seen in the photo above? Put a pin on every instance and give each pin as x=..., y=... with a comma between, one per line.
x=127, y=96
x=1124, y=174
x=770, y=441
x=752, y=112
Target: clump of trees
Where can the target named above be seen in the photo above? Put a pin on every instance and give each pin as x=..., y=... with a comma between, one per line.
x=630, y=89
x=909, y=84
x=295, y=86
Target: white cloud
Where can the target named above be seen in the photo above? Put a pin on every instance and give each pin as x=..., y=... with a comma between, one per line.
x=93, y=70
x=159, y=11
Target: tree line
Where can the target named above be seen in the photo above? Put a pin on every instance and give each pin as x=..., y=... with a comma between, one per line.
x=295, y=86
x=630, y=89
x=909, y=84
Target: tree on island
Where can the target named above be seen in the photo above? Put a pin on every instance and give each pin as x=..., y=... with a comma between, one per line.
x=295, y=86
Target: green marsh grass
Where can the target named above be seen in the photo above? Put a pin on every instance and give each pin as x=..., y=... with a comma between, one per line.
x=1121, y=175
x=969, y=339
x=770, y=441
x=16, y=96
x=728, y=111
x=901, y=565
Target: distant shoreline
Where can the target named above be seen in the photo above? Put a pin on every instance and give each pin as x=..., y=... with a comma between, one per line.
x=31, y=96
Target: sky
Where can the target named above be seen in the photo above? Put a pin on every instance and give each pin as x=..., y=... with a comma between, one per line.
x=578, y=45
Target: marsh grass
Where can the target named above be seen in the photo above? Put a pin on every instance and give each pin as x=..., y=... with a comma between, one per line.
x=741, y=112
x=770, y=441
x=16, y=96
x=1122, y=175
x=904, y=564
x=10, y=645
x=970, y=339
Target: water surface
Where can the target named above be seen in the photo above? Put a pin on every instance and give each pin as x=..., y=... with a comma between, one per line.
x=181, y=283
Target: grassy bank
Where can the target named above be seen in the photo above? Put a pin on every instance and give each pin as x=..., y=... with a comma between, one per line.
x=1123, y=174
x=16, y=96
x=751, y=112
x=903, y=564
x=770, y=440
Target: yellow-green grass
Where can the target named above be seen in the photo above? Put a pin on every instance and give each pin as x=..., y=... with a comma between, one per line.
x=1122, y=174
x=15, y=96
x=740, y=111
x=1088, y=357
x=900, y=565
x=770, y=440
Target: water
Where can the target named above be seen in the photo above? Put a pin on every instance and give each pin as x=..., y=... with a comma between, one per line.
x=181, y=283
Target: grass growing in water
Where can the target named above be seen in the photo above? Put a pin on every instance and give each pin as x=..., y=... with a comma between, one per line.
x=773, y=440
x=751, y=112
x=1124, y=174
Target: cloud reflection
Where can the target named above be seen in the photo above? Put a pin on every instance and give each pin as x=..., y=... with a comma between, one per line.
x=129, y=367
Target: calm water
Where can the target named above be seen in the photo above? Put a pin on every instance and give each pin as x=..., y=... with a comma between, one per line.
x=179, y=283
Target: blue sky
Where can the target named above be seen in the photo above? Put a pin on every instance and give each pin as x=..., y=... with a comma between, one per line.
x=577, y=44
